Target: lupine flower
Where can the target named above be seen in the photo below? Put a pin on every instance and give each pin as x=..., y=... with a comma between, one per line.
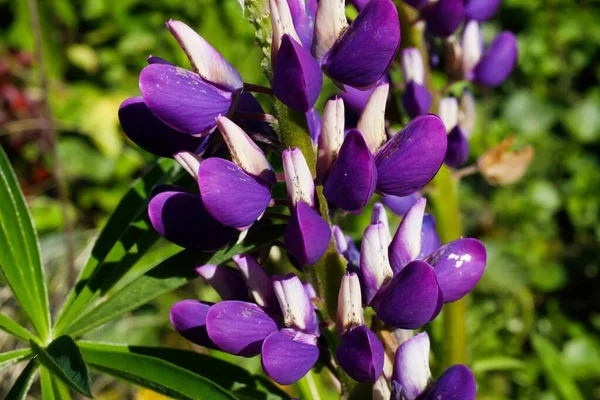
x=307, y=234
x=492, y=66
x=360, y=54
x=223, y=183
x=458, y=144
x=405, y=291
x=356, y=99
x=416, y=99
x=303, y=14
x=281, y=324
x=297, y=77
x=480, y=10
x=400, y=204
x=364, y=163
x=443, y=17
x=190, y=101
x=412, y=380
x=360, y=354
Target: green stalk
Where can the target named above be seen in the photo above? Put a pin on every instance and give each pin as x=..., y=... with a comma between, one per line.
x=444, y=200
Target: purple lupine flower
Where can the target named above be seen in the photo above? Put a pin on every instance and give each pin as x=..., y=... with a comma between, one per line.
x=297, y=78
x=492, y=66
x=303, y=15
x=416, y=99
x=458, y=144
x=404, y=164
x=307, y=234
x=400, y=204
x=405, y=291
x=360, y=353
x=250, y=176
x=281, y=323
x=358, y=55
x=347, y=248
x=356, y=99
x=412, y=378
x=190, y=101
x=480, y=10
x=443, y=17
x=314, y=121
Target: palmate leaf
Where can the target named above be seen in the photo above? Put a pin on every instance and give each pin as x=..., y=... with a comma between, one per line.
x=63, y=359
x=170, y=274
x=20, y=261
x=150, y=372
x=123, y=241
x=23, y=383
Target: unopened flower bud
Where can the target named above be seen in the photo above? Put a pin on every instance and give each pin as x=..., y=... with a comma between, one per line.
x=349, y=312
x=298, y=179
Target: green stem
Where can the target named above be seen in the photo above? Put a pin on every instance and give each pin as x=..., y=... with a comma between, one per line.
x=444, y=200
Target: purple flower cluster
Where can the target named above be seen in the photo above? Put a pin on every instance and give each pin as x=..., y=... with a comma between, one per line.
x=405, y=277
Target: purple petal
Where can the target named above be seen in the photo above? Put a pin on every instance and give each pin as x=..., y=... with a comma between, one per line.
x=457, y=382
x=406, y=245
x=230, y=195
x=297, y=309
x=444, y=17
x=303, y=16
x=498, y=60
x=287, y=356
x=416, y=99
x=380, y=215
x=412, y=157
x=356, y=99
x=182, y=218
x=400, y=204
x=157, y=60
x=258, y=281
x=238, y=327
x=458, y=148
x=227, y=281
x=365, y=51
x=352, y=180
x=411, y=366
x=481, y=10
x=430, y=241
x=410, y=299
x=188, y=317
x=361, y=355
x=307, y=234
x=416, y=3
x=313, y=120
x=297, y=79
x=182, y=99
x=150, y=133
x=458, y=267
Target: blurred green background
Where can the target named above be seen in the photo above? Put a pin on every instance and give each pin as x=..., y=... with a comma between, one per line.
x=535, y=317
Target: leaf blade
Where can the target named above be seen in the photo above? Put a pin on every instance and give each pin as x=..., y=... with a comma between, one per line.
x=153, y=373
x=63, y=358
x=170, y=274
x=10, y=326
x=123, y=240
x=13, y=357
x=20, y=259
x=21, y=386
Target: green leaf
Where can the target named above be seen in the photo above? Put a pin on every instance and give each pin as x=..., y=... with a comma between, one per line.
x=500, y=363
x=126, y=237
x=170, y=274
x=153, y=373
x=23, y=383
x=63, y=359
x=46, y=383
x=13, y=357
x=227, y=375
x=10, y=326
x=555, y=370
x=20, y=260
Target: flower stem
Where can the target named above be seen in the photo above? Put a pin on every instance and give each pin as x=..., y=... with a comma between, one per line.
x=258, y=89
